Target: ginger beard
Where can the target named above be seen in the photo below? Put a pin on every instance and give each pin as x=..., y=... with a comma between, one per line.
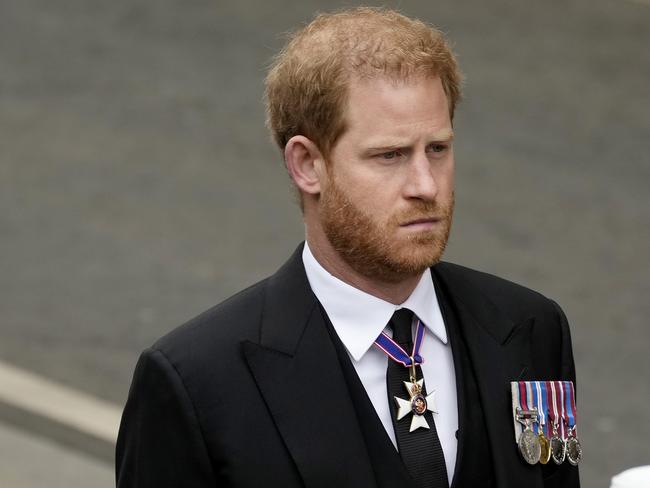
x=375, y=248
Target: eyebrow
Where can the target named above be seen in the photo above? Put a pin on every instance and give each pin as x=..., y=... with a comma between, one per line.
x=392, y=145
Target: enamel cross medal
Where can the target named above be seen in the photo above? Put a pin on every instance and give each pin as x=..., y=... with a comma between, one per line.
x=417, y=403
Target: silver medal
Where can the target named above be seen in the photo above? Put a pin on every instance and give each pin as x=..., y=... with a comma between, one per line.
x=528, y=443
x=558, y=450
x=529, y=446
x=573, y=450
x=558, y=447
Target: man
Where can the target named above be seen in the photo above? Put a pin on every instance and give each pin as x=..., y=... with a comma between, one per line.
x=364, y=361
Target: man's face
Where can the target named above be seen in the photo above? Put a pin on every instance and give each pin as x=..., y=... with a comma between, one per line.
x=386, y=205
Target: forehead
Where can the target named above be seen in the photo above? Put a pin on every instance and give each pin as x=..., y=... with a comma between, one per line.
x=383, y=107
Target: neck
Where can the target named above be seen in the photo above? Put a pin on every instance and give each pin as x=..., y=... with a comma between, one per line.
x=395, y=292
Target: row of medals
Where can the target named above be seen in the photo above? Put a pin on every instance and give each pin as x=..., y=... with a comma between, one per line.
x=537, y=448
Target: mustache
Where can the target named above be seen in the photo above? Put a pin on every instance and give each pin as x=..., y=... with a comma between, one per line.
x=424, y=210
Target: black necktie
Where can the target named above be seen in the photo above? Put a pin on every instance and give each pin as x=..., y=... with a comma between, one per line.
x=420, y=450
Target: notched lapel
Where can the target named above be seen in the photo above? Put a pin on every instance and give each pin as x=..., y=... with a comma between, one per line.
x=299, y=375
x=495, y=366
x=517, y=349
x=307, y=396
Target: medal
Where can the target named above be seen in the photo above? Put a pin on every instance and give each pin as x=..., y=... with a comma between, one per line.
x=573, y=451
x=545, y=448
x=547, y=412
x=417, y=403
x=573, y=448
x=540, y=404
x=558, y=446
x=528, y=441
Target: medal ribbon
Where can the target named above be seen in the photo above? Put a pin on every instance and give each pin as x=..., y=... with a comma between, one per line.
x=394, y=351
x=562, y=410
x=532, y=401
x=543, y=395
x=538, y=403
x=524, y=398
x=552, y=399
x=570, y=402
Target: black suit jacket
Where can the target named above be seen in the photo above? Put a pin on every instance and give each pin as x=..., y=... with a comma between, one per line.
x=251, y=393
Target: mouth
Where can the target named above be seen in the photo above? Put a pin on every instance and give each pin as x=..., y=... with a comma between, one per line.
x=424, y=223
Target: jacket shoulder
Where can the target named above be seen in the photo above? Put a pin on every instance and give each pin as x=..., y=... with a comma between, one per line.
x=218, y=329
x=488, y=297
x=517, y=300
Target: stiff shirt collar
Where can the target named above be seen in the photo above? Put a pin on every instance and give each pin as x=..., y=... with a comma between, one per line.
x=359, y=317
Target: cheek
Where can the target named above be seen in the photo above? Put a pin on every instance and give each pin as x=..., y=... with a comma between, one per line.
x=445, y=179
x=375, y=191
x=449, y=183
x=363, y=188
x=451, y=170
x=376, y=199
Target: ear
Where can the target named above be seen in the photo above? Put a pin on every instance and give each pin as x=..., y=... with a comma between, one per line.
x=305, y=163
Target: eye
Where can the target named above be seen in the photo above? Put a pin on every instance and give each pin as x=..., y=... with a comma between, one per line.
x=438, y=148
x=390, y=155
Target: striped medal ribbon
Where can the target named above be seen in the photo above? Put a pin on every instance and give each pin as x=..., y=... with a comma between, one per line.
x=573, y=448
x=527, y=415
x=556, y=414
x=540, y=404
x=395, y=352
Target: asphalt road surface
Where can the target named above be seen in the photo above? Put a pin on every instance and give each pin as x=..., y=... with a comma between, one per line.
x=138, y=185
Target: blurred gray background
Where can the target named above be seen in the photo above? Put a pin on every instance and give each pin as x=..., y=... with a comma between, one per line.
x=138, y=187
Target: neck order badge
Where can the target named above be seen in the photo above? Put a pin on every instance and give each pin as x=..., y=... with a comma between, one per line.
x=417, y=442
x=545, y=421
x=417, y=404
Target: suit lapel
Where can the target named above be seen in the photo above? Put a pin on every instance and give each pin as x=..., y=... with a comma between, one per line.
x=298, y=373
x=499, y=351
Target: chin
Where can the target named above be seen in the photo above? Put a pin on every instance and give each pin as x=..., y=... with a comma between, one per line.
x=418, y=259
x=410, y=260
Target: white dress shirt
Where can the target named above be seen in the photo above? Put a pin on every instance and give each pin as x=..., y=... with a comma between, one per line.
x=358, y=318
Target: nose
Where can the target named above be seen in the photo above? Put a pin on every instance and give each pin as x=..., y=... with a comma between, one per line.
x=421, y=182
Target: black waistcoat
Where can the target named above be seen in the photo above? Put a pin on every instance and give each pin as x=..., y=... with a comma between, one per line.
x=473, y=461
